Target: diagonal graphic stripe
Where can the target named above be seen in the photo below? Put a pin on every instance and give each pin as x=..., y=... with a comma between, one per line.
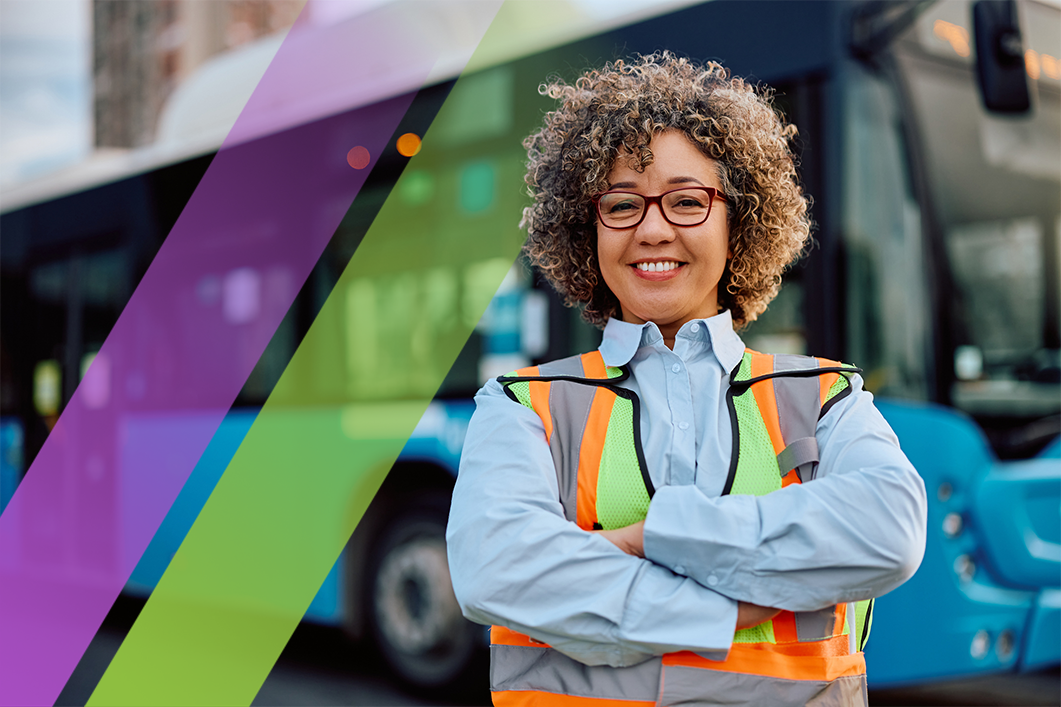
x=307, y=470
x=187, y=340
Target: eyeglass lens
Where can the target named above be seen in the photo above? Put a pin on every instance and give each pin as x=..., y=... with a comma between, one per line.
x=682, y=207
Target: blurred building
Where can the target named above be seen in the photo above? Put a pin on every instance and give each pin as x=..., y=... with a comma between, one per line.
x=141, y=50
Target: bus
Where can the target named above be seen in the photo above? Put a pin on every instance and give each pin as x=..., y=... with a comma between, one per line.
x=935, y=268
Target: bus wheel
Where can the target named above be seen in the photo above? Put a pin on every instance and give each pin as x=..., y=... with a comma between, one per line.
x=414, y=616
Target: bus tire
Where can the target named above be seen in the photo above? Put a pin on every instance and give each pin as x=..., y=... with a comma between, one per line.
x=413, y=615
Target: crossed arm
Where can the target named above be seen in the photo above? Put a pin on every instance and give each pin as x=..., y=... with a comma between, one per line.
x=709, y=565
x=631, y=540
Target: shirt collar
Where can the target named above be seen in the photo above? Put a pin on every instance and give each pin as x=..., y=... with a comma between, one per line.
x=622, y=339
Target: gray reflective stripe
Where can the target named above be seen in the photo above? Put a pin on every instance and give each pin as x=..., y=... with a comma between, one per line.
x=798, y=405
x=815, y=625
x=688, y=687
x=570, y=366
x=546, y=670
x=569, y=404
x=852, y=627
x=798, y=399
x=801, y=455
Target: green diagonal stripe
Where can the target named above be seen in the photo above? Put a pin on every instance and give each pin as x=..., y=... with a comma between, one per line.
x=336, y=421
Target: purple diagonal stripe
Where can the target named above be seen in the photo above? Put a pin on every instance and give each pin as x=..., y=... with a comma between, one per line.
x=191, y=334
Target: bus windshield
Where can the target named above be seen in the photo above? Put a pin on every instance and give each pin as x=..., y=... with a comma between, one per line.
x=995, y=188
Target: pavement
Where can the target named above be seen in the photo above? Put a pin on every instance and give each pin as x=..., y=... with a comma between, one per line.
x=322, y=668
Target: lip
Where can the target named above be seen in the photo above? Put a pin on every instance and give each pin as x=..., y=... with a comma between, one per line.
x=657, y=276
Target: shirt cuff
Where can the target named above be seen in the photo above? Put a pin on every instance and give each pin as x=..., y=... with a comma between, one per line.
x=708, y=540
x=678, y=613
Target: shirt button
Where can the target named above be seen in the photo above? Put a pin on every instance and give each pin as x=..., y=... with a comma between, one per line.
x=695, y=327
x=683, y=425
x=676, y=367
x=712, y=580
x=680, y=569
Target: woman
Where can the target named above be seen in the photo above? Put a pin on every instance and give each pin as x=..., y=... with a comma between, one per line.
x=674, y=519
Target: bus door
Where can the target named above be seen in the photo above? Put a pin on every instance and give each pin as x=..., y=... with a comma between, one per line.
x=951, y=225
x=68, y=270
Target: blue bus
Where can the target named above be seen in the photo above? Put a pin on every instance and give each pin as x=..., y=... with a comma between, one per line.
x=935, y=269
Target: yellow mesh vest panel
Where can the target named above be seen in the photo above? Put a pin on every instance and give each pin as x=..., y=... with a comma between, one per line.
x=757, y=472
x=522, y=391
x=621, y=495
x=863, y=611
x=839, y=385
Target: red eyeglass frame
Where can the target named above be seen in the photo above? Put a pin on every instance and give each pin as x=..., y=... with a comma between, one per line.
x=658, y=200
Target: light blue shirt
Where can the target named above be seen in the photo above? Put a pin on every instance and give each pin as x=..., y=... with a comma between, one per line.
x=856, y=531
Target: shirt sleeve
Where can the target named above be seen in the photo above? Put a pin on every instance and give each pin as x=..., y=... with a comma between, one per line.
x=516, y=561
x=855, y=532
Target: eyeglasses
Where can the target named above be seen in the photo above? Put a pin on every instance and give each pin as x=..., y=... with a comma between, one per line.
x=688, y=206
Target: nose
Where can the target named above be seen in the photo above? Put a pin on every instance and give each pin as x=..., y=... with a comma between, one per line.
x=655, y=229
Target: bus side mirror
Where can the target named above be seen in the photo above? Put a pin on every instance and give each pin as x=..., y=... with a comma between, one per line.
x=1000, y=57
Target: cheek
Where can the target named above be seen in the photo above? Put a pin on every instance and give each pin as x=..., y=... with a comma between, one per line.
x=607, y=256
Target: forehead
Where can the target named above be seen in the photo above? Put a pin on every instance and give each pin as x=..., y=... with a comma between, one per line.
x=675, y=159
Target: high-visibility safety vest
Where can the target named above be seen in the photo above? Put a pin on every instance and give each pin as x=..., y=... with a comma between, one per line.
x=593, y=430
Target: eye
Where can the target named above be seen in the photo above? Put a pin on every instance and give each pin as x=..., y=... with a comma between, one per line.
x=687, y=200
x=621, y=207
x=620, y=204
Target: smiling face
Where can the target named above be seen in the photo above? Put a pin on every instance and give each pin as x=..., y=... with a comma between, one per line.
x=660, y=272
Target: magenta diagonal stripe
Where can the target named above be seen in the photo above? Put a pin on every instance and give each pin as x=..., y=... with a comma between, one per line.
x=191, y=334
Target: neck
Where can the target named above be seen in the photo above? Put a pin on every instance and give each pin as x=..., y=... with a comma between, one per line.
x=670, y=333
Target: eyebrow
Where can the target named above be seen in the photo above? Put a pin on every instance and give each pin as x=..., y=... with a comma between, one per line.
x=672, y=180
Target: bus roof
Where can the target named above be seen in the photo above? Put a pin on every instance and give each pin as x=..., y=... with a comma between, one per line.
x=201, y=112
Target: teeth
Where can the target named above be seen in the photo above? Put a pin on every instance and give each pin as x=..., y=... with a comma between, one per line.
x=657, y=267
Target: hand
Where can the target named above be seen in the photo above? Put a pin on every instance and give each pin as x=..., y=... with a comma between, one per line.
x=630, y=539
x=749, y=615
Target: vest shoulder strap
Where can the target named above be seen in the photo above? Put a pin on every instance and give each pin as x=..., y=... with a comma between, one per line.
x=530, y=386
x=584, y=368
x=755, y=367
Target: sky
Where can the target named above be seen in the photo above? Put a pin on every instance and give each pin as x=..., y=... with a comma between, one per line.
x=45, y=86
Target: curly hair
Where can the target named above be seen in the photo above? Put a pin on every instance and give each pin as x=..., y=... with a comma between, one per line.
x=618, y=109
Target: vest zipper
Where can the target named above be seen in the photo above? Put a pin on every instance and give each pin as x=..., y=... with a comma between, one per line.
x=735, y=453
